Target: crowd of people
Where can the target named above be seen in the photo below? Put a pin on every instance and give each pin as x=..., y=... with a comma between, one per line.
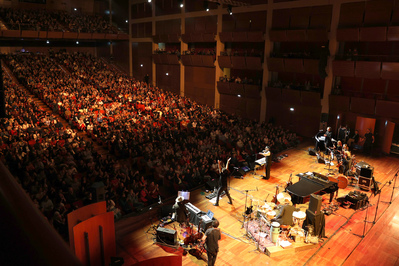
x=237, y=79
x=166, y=142
x=45, y=20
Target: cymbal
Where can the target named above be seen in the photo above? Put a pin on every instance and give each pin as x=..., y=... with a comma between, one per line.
x=283, y=196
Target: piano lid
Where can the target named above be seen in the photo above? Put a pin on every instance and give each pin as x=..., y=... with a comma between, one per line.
x=310, y=184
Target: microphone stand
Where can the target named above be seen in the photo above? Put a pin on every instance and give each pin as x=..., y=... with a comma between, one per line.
x=394, y=186
x=378, y=201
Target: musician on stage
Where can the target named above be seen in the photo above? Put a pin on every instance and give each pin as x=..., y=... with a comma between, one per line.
x=346, y=162
x=224, y=173
x=180, y=211
x=328, y=136
x=285, y=215
x=266, y=152
x=211, y=239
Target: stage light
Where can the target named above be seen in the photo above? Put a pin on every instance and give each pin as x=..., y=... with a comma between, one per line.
x=230, y=10
x=75, y=9
x=181, y=3
x=386, y=122
x=206, y=6
x=337, y=116
x=167, y=74
x=141, y=65
x=127, y=21
x=77, y=42
x=239, y=95
x=47, y=41
x=292, y=109
x=149, y=1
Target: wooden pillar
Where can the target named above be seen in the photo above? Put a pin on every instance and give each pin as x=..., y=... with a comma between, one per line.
x=333, y=47
x=268, y=48
x=219, y=48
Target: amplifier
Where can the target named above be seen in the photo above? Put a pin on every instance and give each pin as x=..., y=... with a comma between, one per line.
x=166, y=236
x=364, y=182
x=357, y=199
x=364, y=169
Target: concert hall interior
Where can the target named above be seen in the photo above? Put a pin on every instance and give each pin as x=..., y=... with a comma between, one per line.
x=188, y=132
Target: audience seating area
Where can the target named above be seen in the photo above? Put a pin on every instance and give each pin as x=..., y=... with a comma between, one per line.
x=45, y=20
x=163, y=142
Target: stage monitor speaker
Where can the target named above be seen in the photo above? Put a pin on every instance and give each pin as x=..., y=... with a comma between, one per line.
x=315, y=203
x=166, y=236
x=364, y=182
x=312, y=152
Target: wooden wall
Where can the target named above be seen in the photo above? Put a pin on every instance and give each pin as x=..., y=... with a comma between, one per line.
x=170, y=82
x=142, y=54
x=200, y=84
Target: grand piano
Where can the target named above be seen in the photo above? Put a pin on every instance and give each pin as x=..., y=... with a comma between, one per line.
x=309, y=183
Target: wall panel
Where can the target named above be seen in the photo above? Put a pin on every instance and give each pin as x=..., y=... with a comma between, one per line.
x=200, y=84
x=362, y=106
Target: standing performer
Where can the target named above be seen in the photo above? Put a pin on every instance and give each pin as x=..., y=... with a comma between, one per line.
x=328, y=136
x=211, y=238
x=268, y=164
x=224, y=174
x=180, y=210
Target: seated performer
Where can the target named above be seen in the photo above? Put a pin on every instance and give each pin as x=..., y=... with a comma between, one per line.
x=180, y=211
x=346, y=162
x=224, y=174
x=285, y=215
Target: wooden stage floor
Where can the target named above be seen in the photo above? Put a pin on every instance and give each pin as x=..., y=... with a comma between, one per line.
x=345, y=242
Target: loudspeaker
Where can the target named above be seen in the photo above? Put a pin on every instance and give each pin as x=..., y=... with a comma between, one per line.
x=367, y=171
x=312, y=152
x=315, y=203
x=166, y=236
x=364, y=182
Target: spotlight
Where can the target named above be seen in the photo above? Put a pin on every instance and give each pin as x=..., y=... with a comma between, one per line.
x=239, y=95
x=337, y=116
x=206, y=6
x=181, y=3
x=292, y=109
x=167, y=74
x=77, y=42
x=141, y=65
x=230, y=10
x=126, y=21
x=47, y=41
x=75, y=9
x=149, y=1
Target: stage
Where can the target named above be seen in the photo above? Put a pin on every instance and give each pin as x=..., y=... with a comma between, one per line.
x=347, y=239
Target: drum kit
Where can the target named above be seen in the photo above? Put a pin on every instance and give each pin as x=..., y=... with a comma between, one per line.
x=266, y=212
